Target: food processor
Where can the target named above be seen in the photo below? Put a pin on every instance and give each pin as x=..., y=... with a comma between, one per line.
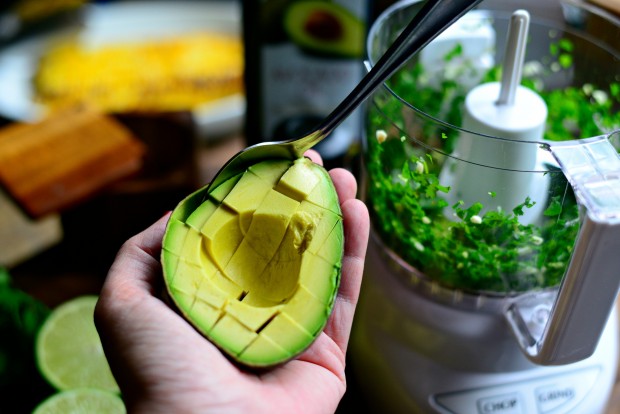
x=492, y=176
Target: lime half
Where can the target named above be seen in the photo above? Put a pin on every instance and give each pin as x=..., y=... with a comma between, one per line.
x=82, y=401
x=68, y=349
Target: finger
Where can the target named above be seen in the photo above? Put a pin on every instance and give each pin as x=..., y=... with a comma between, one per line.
x=136, y=269
x=356, y=229
x=134, y=323
x=345, y=184
x=314, y=156
x=356, y=241
x=133, y=277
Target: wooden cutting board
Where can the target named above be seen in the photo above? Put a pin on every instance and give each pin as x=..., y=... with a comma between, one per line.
x=51, y=165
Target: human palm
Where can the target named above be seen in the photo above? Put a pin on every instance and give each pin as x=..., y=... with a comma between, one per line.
x=163, y=365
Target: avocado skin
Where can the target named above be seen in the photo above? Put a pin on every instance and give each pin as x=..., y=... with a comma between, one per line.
x=324, y=28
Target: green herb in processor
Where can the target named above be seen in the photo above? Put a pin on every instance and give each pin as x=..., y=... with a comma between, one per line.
x=413, y=132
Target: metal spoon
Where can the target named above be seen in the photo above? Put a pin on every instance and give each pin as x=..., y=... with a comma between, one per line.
x=433, y=18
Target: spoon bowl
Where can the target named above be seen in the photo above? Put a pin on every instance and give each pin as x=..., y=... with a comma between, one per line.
x=432, y=19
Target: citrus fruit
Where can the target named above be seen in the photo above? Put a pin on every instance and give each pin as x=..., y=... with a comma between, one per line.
x=82, y=401
x=68, y=349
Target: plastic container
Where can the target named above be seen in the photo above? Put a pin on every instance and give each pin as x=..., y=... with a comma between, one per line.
x=434, y=200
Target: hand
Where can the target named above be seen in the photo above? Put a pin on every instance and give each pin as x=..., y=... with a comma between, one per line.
x=163, y=365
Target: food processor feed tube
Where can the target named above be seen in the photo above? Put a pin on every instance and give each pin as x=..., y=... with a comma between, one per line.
x=510, y=112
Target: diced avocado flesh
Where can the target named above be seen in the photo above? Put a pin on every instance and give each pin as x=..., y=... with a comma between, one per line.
x=255, y=266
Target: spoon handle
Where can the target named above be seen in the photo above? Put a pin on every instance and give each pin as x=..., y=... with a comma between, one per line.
x=433, y=18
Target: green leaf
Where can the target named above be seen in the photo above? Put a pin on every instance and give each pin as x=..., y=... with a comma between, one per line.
x=455, y=52
x=554, y=209
x=500, y=253
x=474, y=209
x=21, y=315
x=566, y=45
x=554, y=49
x=565, y=60
x=518, y=210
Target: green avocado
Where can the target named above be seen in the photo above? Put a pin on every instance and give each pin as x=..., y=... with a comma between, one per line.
x=325, y=28
x=254, y=265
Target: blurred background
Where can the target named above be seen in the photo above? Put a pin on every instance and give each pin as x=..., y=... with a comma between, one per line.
x=110, y=113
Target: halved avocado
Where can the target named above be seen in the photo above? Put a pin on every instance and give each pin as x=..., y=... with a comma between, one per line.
x=325, y=28
x=254, y=265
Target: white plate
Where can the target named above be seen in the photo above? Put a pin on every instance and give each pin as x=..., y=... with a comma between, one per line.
x=123, y=22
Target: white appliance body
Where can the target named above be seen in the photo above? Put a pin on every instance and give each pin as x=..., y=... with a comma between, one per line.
x=412, y=354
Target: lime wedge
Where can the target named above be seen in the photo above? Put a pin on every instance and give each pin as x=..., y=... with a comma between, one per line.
x=82, y=401
x=68, y=349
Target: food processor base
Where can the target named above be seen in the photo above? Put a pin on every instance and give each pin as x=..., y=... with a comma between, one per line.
x=411, y=354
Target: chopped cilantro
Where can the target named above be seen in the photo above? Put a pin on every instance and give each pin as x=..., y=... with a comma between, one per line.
x=467, y=246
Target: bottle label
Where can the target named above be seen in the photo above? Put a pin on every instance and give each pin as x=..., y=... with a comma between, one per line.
x=311, y=67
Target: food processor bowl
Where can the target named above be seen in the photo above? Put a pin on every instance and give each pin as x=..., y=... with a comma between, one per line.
x=430, y=179
x=465, y=222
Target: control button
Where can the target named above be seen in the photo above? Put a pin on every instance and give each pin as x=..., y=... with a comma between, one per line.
x=483, y=402
x=501, y=404
x=554, y=396
x=540, y=394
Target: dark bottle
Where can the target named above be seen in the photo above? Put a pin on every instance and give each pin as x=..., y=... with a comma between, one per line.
x=302, y=58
